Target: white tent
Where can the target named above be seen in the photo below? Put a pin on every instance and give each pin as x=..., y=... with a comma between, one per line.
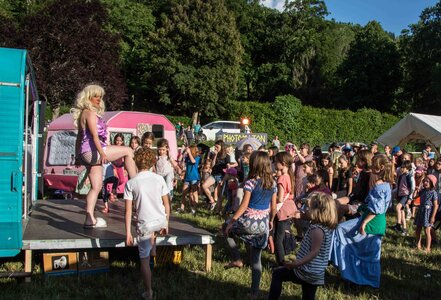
x=414, y=127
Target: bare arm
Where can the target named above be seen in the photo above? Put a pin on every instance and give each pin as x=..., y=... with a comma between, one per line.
x=91, y=125
x=280, y=193
x=232, y=165
x=434, y=210
x=331, y=175
x=273, y=209
x=166, y=202
x=317, y=239
x=175, y=166
x=128, y=222
x=350, y=183
x=78, y=147
x=190, y=156
x=366, y=220
x=243, y=206
x=213, y=161
x=300, y=156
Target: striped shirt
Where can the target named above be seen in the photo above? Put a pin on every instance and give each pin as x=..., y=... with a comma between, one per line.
x=313, y=272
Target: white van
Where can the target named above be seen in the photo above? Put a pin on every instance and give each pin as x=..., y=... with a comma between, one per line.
x=210, y=130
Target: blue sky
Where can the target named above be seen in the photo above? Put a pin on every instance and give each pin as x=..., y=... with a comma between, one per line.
x=393, y=15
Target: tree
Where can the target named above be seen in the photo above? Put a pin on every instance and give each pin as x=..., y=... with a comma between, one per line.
x=195, y=57
x=132, y=21
x=281, y=47
x=69, y=49
x=334, y=41
x=371, y=74
x=421, y=51
x=8, y=30
x=254, y=24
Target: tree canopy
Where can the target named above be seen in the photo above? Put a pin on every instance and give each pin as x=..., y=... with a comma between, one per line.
x=195, y=57
x=181, y=56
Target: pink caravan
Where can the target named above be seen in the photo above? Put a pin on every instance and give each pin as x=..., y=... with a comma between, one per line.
x=60, y=173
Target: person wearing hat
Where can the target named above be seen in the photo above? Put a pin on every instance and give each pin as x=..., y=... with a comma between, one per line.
x=347, y=151
x=396, y=151
x=397, y=154
x=427, y=212
x=355, y=147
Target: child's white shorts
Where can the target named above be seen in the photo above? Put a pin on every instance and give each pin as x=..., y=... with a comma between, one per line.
x=144, y=248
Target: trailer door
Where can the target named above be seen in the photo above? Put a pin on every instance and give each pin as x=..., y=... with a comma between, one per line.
x=12, y=100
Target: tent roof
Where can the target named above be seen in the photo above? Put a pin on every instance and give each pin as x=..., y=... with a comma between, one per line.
x=414, y=127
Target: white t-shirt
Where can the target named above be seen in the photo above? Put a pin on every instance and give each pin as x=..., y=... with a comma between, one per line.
x=147, y=189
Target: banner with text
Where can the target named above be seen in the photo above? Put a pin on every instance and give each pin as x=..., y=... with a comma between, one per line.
x=233, y=138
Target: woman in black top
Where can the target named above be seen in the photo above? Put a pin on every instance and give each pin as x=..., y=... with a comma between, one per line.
x=219, y=162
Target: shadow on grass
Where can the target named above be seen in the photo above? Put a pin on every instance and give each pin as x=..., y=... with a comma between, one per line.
x=123, y=281
x=400, y=279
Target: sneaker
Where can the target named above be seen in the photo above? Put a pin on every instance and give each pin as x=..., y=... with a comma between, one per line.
x=352, y=209
x=180, y=210
x=193, y=212
x=404, y=232
x=408, y=213
x=396, y=227
x=212, y=206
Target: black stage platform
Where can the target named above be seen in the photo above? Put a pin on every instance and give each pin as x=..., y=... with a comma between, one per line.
x=58, y=225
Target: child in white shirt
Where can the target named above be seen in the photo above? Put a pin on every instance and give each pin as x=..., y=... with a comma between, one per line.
x=150, y=193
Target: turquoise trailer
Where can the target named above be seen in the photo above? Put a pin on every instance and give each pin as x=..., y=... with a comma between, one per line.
x=20, y=143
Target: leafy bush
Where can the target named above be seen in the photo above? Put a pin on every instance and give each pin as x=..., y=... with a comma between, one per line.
x=183, y=119
x=291, y=121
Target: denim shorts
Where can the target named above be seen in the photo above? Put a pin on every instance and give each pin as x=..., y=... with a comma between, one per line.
x=191, y=182
x=144, y=248
x=403, y=200
x=218, y=178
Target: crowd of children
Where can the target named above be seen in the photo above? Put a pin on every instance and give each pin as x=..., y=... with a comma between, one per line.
x=261, y=193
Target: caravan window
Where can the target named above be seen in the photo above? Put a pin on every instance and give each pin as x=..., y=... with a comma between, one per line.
x=127, y=137
x=61, y=148
x=158, y=131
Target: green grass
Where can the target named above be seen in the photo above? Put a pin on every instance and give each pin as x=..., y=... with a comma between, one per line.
x=404, y=275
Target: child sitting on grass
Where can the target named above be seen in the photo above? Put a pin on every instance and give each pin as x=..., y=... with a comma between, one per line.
x=149, y=193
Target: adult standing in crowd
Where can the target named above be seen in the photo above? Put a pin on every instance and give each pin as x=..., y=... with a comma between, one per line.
x=374, y=148
x=300, y=157
x=189, y=135
x=276, y=142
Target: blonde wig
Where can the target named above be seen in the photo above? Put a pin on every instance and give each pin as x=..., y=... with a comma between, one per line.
x=83, y=102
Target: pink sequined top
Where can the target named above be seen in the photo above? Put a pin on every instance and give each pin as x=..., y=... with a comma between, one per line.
x=87, y=144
